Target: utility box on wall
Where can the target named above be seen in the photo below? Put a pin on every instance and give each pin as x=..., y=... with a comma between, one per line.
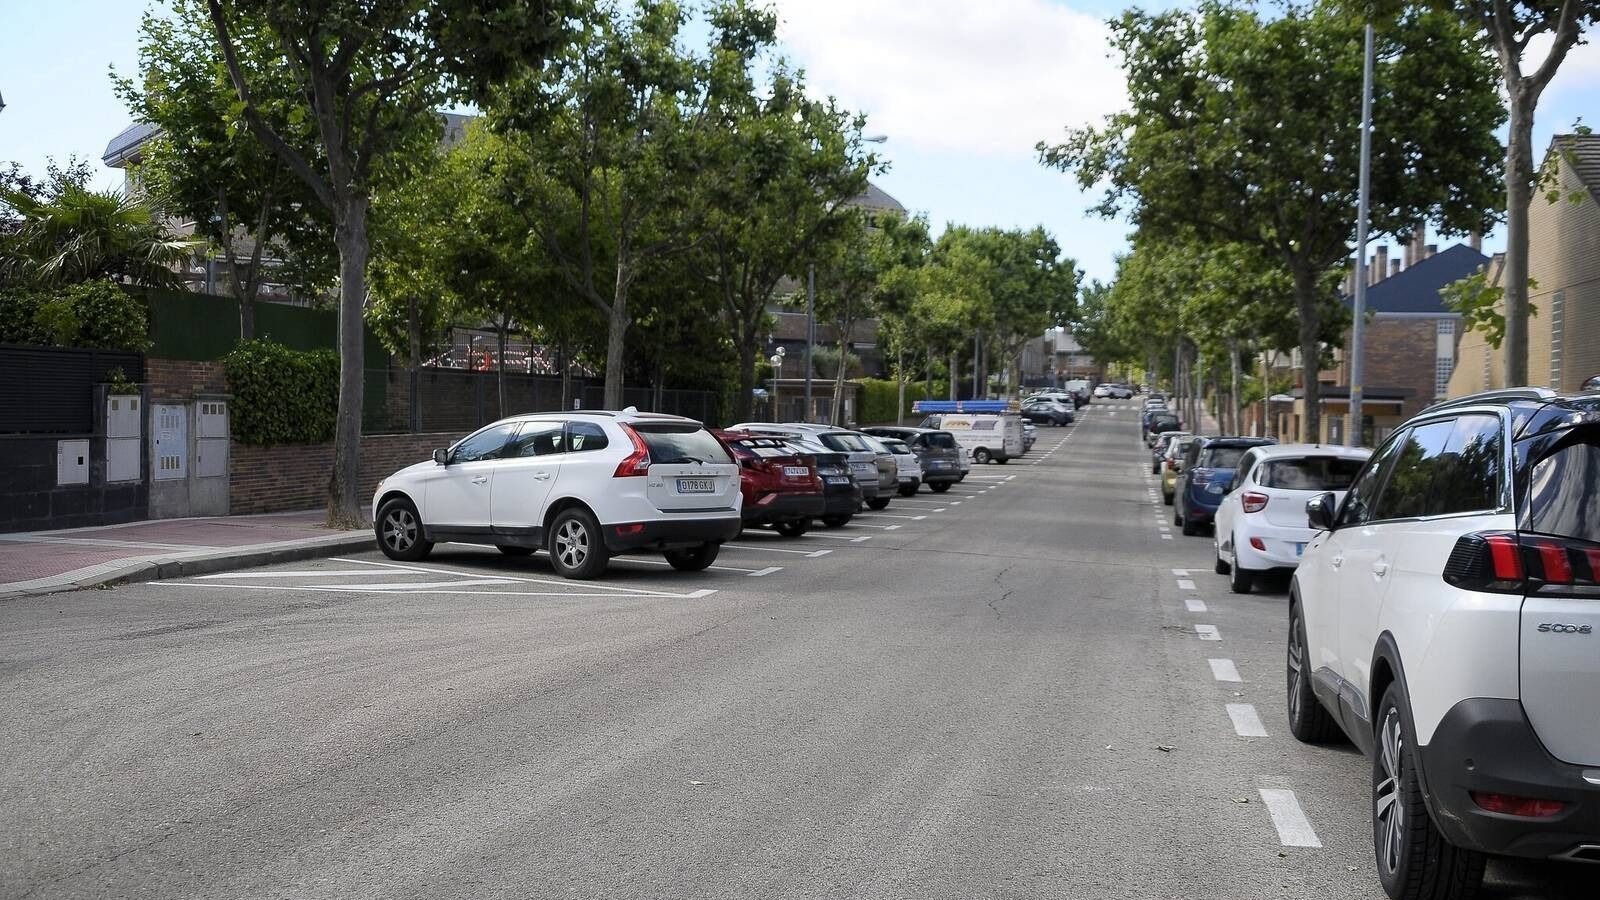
x=72, y=462
x=189, y=458
x=124, y=427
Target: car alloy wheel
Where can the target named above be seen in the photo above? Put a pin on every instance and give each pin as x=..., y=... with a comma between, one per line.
x=572, y=544
x=1388, y=810
x=400, y=532
x=399, y=529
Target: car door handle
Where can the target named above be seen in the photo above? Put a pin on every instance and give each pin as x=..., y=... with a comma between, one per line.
x=480, y=479
x=1380, y=568
x=1337, y=561
x=541, y=476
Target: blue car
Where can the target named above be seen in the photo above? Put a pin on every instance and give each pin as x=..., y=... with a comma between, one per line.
x=1207, y=473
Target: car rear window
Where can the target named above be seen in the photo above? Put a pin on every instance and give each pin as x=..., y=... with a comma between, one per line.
x=675, y=443
x=1311, y=473
x=1222, y=457
x=1564, y=491
x=844, y=442
x=896, y=446
x=766, y=448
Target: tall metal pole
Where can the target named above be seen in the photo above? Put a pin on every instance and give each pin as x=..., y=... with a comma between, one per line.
x=811, y=330
x=1352, y=434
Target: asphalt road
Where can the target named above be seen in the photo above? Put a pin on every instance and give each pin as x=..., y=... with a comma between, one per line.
x=997, y=692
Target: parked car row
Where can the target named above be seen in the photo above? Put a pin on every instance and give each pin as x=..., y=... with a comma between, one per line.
x=1444, y=594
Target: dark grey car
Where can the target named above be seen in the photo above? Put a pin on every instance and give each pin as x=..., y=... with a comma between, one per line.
x=937, y=450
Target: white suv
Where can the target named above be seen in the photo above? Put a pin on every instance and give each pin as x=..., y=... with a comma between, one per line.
x=1446, y=619
x=581, y=485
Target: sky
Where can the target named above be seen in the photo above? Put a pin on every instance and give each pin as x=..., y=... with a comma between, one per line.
x=962, y=91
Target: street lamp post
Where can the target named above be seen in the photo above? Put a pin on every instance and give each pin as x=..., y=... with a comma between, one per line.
x=1352, y=436
x=777, y=369
x=811, y=330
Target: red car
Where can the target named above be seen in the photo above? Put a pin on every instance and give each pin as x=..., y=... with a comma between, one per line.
x=780, y=484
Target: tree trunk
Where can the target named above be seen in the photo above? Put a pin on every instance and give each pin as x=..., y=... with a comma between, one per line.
x=1305, y=302
x=1519, y=195
x=1233, y=390
x=565, y=372
x=350, y=235
x=500, y=362
x=413, y=364
x=616, y=341
x=747, y=380
x=837, y=418
x=927, y=371
x=953, y=374
x=900, y=376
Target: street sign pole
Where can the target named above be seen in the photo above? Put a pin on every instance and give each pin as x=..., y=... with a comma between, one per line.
x=1352, y=434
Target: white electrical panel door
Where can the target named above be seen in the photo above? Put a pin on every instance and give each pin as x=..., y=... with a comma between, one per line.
x=72, y=462
x=122, y=415
x=122, y=459
x=171, y=440
x=211, y=419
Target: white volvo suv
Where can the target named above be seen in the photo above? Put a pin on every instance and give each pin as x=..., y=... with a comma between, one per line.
x=581, y=485
x=1447, y=619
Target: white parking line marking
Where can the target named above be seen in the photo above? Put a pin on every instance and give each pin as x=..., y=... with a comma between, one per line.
x=427, y=585
x=308, y=573
x=1208, y=632
x=1185, y=584
x=661, y=562
x=1166, y=537
x=1294, y=829
x=816, y=553
x=892, y=527
x=767, y=571
x=618, y=593
x=878, y=515
x=838, y=537
x=955, y=503
x=1224, y=670
x=855, y=524
x=775, y=550
x=1194, y=605
x=1246, y=721
x=556, y=581
x=1181, y=572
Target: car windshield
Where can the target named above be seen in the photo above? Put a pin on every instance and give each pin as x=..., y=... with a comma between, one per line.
x=1311, y=473
x=675, y=442
x=941, y=440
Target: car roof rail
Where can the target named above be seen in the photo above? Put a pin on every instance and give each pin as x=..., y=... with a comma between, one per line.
x=1497, y=396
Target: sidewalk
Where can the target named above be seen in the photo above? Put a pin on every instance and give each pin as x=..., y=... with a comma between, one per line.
x=42, y=562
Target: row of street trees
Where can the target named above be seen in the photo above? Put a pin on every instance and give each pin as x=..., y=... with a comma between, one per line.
x=1237, y=164
x=637, y=185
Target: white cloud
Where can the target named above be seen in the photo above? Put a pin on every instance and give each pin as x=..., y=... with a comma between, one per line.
x=990, y=78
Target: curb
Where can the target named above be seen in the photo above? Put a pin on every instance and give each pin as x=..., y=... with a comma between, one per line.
x=183, y=565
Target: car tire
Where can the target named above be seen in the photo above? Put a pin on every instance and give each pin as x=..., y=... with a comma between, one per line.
x=1190, y=527
x=1167, y=499
x=1003, y=460
x=1220, y=567
x=693, y=559
x=981, y=456
x=577, y=549
x=1309, y=721
x=793, y=528
x=1241, y=580
x=878, y=503
x=835, y=521
x=514, y=550
x=909, y=491
x=939, y=488
x=1414, y=860
x=400, y=532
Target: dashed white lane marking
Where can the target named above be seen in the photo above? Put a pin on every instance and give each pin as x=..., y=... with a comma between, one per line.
x=955, y=502
x=1194, y=605
x=812, y=554
x=1294, y=829
x=1181, y=572
x=767, y=571
x=1166, y=537
x=1207, y=632
x=1185, y=584
x=1246, y=721
x=1224, y=670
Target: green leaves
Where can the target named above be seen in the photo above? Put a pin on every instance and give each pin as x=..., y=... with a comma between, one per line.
x=282, y=396
x=1482, y=305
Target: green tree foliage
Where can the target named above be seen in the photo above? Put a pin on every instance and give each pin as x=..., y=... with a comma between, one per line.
x=95, y=314
x=75, y=234
x=1244, y=127
x=369, y=75
x=282, y=396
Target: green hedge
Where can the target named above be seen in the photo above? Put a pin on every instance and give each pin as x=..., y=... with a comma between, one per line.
x=282, y=396
x=879, y=397
x=88, y=314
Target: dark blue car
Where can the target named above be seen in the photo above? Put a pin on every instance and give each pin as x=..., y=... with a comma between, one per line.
x=1207, y=472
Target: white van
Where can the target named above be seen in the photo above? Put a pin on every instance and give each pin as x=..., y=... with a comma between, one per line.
x=984, y=436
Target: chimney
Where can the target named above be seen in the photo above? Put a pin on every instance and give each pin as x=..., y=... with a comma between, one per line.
x=1414, y=248
x=1349, y=282
x=1475, y=241
x=1432, y=249
x=1380, y=271
x=1394, y=267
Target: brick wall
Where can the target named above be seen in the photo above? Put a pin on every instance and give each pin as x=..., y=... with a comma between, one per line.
x=182, y=379
x=295, y=476
x=1400, y=353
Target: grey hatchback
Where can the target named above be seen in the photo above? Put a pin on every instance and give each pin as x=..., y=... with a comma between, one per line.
x=937, y=450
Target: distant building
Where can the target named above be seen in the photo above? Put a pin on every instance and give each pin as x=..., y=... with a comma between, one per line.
x=1564, y=263
x=1409, y=345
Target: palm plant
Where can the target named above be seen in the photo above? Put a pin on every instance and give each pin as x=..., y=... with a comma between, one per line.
x=80, y=235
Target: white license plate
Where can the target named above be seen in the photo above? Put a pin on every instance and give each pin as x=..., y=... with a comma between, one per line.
x=838, y=479
x=697, y=486
x=796, y=471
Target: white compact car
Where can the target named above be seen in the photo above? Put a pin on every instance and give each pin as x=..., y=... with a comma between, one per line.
x=1261, y=522
x=581, y=485
x=1446, y=618
x=908, y=467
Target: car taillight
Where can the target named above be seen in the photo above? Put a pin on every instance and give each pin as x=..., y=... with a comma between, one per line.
x=637, y=463
x=1507, y=562
x=1253, y=502
x=1511, y=805
x=1172, y=465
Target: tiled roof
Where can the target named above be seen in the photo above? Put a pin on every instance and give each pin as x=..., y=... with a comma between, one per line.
x=1416, y=290
x=122, y=146
x=876, y=198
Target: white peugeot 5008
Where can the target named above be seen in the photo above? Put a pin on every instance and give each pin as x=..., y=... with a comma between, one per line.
x=582, y=486
x=1445, y=618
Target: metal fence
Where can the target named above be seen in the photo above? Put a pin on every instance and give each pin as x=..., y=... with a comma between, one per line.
x=50, y=390
x=438, y=400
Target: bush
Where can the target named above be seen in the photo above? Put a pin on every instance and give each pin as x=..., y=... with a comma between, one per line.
x=282, y=396
x=879, y=398
x=94, y=314
x=18, y=311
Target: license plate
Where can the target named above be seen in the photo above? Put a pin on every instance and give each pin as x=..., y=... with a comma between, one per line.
x=838, y=479
x=796, y=471
x=697, y=486
x=1299, y=549
x=864, y=469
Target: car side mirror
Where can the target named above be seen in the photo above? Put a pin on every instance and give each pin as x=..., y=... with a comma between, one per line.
x=1319, y=512
x=441, y=456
